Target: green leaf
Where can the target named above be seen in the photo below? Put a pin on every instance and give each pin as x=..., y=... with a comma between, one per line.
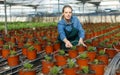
x=83, y=55
x=71, y=63
x=31, y=48
x=91, y=48
x=47, y=58
x=12, y=52
x=101, y=52
x=28, y=66
x=61, y=52
x=55, y=70
x=85, y=69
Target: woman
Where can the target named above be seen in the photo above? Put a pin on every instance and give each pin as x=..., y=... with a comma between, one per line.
x=70, y=30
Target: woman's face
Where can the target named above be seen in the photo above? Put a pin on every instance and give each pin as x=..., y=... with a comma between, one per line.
x=67, y=13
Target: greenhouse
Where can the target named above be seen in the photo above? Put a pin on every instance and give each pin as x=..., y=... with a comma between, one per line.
x=59, y=37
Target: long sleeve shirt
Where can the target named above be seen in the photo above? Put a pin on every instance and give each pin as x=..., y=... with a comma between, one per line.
x=62, y=24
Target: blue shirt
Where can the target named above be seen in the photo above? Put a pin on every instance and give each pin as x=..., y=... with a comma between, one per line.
x=62, y=24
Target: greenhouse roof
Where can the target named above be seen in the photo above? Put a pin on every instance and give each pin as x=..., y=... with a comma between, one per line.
x=54, y=6
x=1, y=1
x=52, y=2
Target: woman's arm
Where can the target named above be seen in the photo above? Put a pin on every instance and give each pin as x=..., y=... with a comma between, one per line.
x=62, y=36
x=80, y=28
x=61, y=31
x=81, y=33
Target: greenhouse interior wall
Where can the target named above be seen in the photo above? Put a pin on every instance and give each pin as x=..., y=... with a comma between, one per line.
x=86, y=19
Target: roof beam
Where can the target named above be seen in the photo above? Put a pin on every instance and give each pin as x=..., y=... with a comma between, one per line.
x=1, y=1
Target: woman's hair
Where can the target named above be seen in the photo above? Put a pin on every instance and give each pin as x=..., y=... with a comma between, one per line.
x=66, y=6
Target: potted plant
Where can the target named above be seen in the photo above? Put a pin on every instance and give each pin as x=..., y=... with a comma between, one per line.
x=98, y=66
x=101, y=46
x=13, y=58
x=82, y=60
x=91, y=48
x=20, y=41
x=116, y=45
x=85, y=70
x=109, y=46
x=49, y=47
x=70, y=68
x=56, y=45
x=31, y=53
x=30, y=39
x=7, y=37
x=96, y=61
x=88, y=42
x=95, y=42
x=73, y=52
x=55, y=70
x=43, y=40
x=60, y=58
x=1, y=41
x=12, y=45
x=102, y=52
x=83, y=55
x=12, y=39
x=110, y=51
x=47, y=63
x=48, y=58
x=27, y=69
x=102, y=56
x=5, y=51
x=37, y=46
x=24, y=49
x=61, y=52
x=91, y=51
x=81, y=48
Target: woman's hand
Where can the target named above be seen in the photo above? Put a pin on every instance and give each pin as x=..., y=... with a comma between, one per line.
x=81, y=42
x=67, y=43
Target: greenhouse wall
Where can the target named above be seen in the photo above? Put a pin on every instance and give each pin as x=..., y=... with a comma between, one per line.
x=86, y=19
